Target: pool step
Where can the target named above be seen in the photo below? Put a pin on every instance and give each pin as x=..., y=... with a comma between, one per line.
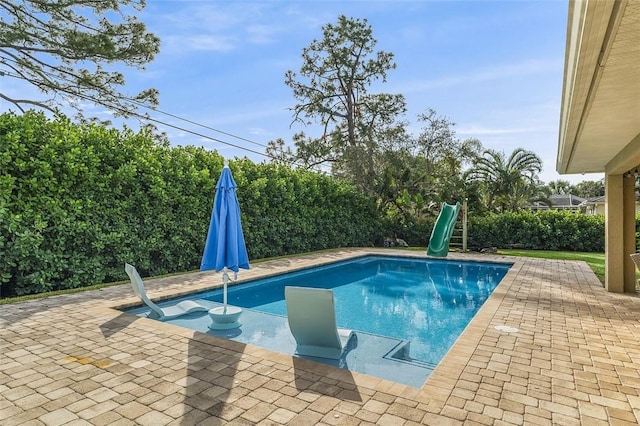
x=381, y=356
x=402, y=352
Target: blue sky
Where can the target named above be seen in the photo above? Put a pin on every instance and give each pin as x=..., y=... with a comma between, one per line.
x=493, y=68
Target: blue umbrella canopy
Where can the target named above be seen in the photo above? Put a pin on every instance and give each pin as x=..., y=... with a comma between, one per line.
x=225, y=246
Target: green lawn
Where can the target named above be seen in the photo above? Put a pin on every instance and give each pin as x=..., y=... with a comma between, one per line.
x=594, y=260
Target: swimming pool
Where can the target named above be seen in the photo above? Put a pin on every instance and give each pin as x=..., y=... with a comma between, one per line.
x=426, y=303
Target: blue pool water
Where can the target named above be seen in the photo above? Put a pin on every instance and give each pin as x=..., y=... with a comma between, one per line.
x=424, y=301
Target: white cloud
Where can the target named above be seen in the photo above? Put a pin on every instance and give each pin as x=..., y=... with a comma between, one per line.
x=262, y=34
x=479, y=75
x=220, y=27
x=248, y=114
x=477, y=131
x=257, y=131
x=200, y=42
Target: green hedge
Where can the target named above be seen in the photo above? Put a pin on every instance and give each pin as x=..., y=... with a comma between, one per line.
x=288, y=211
x=76, y=202
x=544, y=230
x=416, y=233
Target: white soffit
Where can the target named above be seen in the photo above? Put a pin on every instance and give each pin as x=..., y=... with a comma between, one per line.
x=600, y=113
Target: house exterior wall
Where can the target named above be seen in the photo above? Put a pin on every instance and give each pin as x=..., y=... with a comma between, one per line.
x=599, y=208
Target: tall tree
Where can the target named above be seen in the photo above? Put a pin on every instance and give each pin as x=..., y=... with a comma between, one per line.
x=509, y=182
x=69, y=50
x=332, y=90
x=414, y=174
x=590, y=188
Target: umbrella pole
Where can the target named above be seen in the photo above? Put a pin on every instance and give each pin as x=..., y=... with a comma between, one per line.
x=225, y=280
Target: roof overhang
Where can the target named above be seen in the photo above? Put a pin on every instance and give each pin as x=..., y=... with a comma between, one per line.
x=600, y=111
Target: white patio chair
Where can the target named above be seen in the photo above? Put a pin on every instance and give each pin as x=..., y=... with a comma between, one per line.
x=181, y=308
x=312, y=321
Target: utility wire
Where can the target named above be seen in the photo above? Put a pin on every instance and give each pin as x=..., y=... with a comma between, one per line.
x=136, y=102
x=195, y=123
x=148, y=118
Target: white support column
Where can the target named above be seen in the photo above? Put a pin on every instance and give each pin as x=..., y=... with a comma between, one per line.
x=614, y=233
x=629, y=200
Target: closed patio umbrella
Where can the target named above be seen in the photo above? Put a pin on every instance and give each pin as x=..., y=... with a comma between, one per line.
x=225, y=248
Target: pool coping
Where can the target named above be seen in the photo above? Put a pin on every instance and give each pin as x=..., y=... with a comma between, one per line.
x=440, y=382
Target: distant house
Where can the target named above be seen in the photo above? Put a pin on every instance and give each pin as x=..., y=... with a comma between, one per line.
x=560, y=202
x=596, y=205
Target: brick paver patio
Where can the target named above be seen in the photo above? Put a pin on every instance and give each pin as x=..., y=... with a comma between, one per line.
x=575, y=359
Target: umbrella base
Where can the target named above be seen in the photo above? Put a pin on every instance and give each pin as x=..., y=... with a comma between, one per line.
x=221, y=320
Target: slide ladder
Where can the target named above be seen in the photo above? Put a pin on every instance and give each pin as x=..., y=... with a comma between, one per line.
x=457, y=238
x=442, y=230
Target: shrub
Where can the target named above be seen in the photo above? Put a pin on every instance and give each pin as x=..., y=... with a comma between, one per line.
x=544, y=230
x=76, y=202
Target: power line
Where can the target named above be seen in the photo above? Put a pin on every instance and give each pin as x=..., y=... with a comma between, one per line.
x=155, y=120
x=195, y=123
x=148, y=118
x=136, y=102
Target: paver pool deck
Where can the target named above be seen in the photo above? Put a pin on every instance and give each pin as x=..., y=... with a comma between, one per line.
x=575, y=359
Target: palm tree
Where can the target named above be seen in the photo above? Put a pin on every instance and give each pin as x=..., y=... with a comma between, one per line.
x=561, y=187
x=511, y=182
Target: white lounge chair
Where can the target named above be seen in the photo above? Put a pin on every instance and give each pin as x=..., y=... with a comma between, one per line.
x=312, y=321
x=182, y=308
x=636, y=259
